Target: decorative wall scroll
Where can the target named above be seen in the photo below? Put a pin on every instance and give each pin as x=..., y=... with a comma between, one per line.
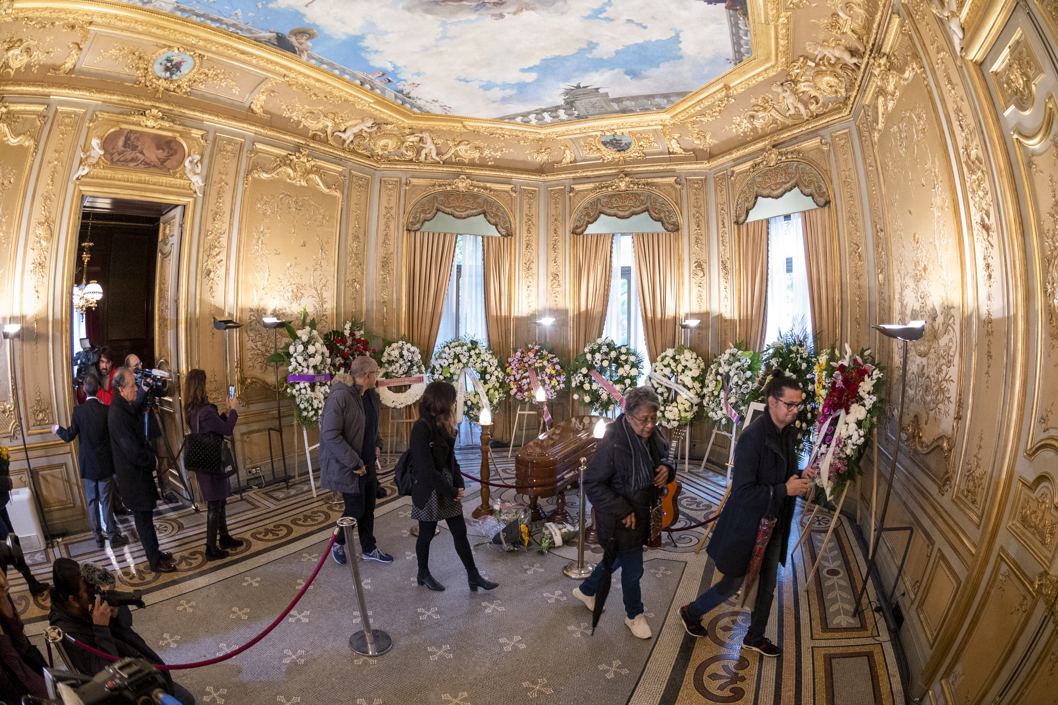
x=356, y=247
x=172, y=70
x=625, y=197
x=389, y=234
x=775, y=181
x=530, y=235
x=459, y=198
x=618, y=147
x=1016, y=73
x=1034, y=521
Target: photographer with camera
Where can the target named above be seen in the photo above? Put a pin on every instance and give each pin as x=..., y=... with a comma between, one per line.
x=106, y=375
x=149, y=388
x=89, y=421
x=82, y=613
x=21, y=663
x=134, y=465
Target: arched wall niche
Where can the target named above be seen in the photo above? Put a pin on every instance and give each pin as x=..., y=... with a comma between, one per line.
x=460, y=198
x=775, y=174
x=625, y=197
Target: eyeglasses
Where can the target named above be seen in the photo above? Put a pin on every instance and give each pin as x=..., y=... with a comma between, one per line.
x=790, y=406
x=653, y=420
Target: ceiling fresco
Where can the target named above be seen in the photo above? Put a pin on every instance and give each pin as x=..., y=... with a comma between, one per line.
x=560, y=59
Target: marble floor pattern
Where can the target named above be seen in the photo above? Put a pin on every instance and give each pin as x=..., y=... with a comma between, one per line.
x=831, y=655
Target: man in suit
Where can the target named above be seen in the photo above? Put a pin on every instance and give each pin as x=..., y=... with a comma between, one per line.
x=134, y=466
x=89, y=421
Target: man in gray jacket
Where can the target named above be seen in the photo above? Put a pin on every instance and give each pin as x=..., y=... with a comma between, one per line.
x=349, y=440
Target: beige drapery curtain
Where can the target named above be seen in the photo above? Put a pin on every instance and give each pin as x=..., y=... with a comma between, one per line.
x=657, y=271
x=753, y=285
x=821, y=258
x=496, y=252
x=594, y=259
x=430, y=257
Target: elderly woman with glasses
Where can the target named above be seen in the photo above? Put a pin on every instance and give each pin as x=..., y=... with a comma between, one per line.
x=765, y=481
x=622, y=481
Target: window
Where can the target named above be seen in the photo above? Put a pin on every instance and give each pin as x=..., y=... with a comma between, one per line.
x=624, y=320
x=788, y=303
x=464, y=308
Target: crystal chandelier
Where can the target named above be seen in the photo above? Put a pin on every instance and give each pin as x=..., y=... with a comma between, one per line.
x=86, y=294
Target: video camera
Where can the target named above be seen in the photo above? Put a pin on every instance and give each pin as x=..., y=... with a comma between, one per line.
x=119, y=598
x=11, y=554
x=153, y=380
x=85, y=360
x=130, y=681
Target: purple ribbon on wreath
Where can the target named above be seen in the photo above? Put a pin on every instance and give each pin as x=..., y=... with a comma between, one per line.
x=308, y=378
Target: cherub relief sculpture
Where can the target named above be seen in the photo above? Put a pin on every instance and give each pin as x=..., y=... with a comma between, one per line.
x=949, y=12
x=832, y=53
x=346, y=136
x=89, y=158
x=193, y=167
x=788, y=97
x=426, y=148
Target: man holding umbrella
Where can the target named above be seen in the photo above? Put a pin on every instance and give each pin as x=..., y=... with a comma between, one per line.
x=765, y=483
x=622, y=481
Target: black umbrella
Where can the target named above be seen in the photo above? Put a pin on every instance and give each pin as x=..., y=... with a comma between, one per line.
x=605, y=578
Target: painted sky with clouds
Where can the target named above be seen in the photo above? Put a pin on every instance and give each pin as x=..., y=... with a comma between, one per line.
x=489, y=58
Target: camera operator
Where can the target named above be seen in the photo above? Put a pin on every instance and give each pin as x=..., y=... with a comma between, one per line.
x=147, y=391
x=21, y=665
x=106, y=375
x=134, y=462
x=91, y=621
x=89, y=421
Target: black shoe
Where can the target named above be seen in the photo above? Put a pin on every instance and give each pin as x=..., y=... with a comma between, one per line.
x=765, y=647
x=428, y=580
x=213, y=553
x=38, y=588
x=119, y=541
x=477, y=581
x=381, y=492
x=229, y=542
x=100, y=543
x=693, y=626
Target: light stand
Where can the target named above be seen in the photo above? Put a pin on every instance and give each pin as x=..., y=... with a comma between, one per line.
x=904, y=333
x=11, y=332
x=275, y=324
x=688, y=325
x=226, y=324
x=546, y=322
x=485, y=423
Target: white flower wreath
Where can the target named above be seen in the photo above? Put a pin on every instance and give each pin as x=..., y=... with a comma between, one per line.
x=684, y=369
x=309, y=356
x=449, y=362
x=737, y=369
x=618, y=364
x=401, y=359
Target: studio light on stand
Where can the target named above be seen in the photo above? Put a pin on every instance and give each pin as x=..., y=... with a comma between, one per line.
x=688, y=325
x=275, y=324
x=545, y=323
x=905, y=333
x=12, y=332
x=485, y=422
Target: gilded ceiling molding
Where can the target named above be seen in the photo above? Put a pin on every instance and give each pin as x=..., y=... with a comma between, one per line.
x=778, y=180
x=144, y=66
x=1016, y=73
x=641, y=141
x=298, y=168
x=460, y=198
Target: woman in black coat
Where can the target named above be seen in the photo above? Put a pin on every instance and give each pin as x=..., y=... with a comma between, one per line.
x=764, y=482
x=438, y=489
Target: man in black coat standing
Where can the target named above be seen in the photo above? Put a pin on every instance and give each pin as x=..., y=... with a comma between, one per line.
x=765, y=481
x=89, y=421
x=134, y=464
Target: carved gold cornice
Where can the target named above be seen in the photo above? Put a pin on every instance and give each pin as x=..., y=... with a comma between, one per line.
x=1046, y=588
x=1016, y=73
x=299, y=168
x=660, y=197
x=502, y=195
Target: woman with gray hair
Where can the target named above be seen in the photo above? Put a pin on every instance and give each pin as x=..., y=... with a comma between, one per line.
x=622, y=482
x=349, y=443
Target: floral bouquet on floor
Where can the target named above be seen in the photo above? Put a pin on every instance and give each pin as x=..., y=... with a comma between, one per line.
x=849, y=391
x=347, y=344
x=548, y=372
x=617, y=364
x=684, y=370
x=401, y=359
x=462, y=353
x=306, y=355
x=729, y=384
x=792, y=356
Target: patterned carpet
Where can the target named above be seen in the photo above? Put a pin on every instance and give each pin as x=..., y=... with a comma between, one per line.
x=830, y=655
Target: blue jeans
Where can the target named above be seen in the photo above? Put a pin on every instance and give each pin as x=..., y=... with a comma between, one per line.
x=631, y=565
x=729, y=585
x=100, y=496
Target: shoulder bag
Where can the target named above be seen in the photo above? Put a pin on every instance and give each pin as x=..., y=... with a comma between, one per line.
x=205, y=453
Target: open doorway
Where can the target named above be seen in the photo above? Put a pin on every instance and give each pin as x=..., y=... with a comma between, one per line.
x=117, y=268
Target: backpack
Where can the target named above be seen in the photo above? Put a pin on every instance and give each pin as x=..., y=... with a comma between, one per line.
x=402, y=474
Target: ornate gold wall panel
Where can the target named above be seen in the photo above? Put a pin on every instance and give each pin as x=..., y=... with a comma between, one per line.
x=287, y=248
x=699, y=300
x=728, y=319
x=1049, y=10
x=1034, y=519
x=557, y=257
x=923, y=543
x=387, y=242
x=1016, y=73
x=1040, y=682
x=1001, y=616
x=855, y=242
x=527, y=304
x=356, y=247
x=938, y=595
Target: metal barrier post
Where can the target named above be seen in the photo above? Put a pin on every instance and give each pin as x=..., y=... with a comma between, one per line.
x=55, y=637
x=580, y=570
x=367, y=642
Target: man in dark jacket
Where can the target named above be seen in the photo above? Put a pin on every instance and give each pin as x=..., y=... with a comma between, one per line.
x=621, y=482
x=91, y=621
x=765, y=481
x=349, y=443
x=134, y=466
x=89, y=421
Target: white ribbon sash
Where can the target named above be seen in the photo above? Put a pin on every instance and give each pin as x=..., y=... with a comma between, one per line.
x=821, y=444
x=679, y=389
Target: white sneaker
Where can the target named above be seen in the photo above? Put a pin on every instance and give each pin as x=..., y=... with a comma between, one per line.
x=639, y=626
x=589, y=602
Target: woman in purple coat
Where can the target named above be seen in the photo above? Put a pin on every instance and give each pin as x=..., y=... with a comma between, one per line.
x=202, y=417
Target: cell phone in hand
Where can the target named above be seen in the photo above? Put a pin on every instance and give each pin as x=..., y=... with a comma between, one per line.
x=231, y=391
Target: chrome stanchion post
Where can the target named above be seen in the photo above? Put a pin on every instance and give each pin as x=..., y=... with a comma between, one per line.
x=55, y=637
x=368, y=642
x=580, y=570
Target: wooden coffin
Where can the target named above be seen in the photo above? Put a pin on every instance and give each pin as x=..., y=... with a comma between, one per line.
x=552, y=460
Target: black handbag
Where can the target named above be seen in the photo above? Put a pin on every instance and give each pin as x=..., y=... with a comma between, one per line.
x=207, y=453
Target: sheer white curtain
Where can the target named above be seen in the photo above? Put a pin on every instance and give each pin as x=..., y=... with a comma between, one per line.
x=472, y=304
x=624, y=319
x=449, y=316
x=789, y=308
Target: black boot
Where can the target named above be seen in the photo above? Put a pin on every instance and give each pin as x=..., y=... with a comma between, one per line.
x=477, y=581
x=213, y=553
x=424, y=578
x=230, y=542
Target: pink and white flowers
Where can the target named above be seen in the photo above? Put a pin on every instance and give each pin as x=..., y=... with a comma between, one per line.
x=548, y=372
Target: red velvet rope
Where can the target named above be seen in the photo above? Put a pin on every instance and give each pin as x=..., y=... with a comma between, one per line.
x=509, y=487
x=244, y=647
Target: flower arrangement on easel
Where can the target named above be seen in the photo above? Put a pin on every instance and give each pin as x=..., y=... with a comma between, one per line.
x=680, y=370
x=792, y=356
x=306, y=356
x=401, y=359
x=617, y=364
x=729, y=384
x=346, y=344
x=548, y=372
x=463, y=353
